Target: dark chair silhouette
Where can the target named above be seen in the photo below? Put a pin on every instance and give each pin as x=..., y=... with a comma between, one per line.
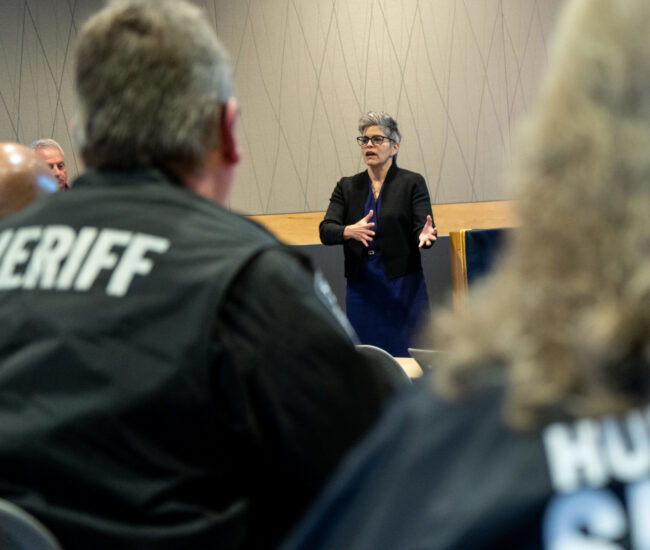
x=386, y=362
x=19, y=530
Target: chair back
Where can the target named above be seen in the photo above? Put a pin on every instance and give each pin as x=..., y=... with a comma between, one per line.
x=19, y=530
x=473, y=253
x=386, y=362
x=426, y=358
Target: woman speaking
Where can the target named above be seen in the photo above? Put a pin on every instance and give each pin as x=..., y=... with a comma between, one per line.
x=382, y=216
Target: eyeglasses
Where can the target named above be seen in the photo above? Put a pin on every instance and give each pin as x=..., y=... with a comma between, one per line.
x=376, y=140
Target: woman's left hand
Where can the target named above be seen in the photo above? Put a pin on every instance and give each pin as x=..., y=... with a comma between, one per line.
x=429, y=233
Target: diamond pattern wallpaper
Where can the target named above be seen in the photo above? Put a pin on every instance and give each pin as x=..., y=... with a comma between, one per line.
x=458, y=75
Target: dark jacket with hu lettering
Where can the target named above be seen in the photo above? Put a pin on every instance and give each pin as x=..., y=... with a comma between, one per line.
x=171, y=376
x=451, y=475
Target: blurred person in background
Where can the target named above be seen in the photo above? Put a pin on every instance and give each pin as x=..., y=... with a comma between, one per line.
x=52, y=153
x=23, y=178
x=535, y=431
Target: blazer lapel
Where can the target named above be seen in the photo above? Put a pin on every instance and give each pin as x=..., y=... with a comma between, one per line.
x=387, y=191
x=358, y=196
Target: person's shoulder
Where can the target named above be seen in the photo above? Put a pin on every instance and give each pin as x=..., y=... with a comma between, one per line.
x=409, y=175
x=359, y=177
x=159, y=202
x=214, y=221
x=287, y=267
x=243, y=224
x=416, y=409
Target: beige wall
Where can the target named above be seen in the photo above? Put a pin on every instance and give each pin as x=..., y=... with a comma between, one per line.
x=457, y=74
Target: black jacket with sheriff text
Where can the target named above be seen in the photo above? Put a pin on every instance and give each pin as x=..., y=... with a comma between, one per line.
x=171, y=376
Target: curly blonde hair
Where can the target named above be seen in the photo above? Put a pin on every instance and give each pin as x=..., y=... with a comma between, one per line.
x=564, y=321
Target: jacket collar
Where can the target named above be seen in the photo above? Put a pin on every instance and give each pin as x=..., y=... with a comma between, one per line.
x=389, y=175
x=138, y=175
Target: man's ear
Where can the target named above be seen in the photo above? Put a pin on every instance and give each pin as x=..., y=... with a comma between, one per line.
x=227, y=139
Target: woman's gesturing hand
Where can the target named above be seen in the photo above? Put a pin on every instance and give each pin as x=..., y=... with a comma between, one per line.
x=360, y=231
x=429, y=233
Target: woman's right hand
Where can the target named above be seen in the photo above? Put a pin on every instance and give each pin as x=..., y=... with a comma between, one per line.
x=360, y=231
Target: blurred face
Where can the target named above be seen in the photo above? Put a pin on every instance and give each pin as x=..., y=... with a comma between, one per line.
x=54, y=159
x=23, y=177
x=381, y=154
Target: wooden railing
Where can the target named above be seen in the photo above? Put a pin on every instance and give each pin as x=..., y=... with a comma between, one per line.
x=302, y=228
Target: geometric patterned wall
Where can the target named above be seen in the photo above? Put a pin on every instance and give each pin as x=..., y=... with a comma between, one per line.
x=36, y=95
x=457, y=75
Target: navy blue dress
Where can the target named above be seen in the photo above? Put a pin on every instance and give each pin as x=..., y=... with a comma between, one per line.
x=386, y=313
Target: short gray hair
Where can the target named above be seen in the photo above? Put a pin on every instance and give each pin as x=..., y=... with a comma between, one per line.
x=46, y=143
x=151, y=78
x=387, y=123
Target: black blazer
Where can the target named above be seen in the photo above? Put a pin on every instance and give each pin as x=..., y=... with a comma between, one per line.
x=405, y=204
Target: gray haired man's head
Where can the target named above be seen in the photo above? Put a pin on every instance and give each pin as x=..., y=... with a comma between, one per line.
x=45, y=143
x=151, y=78
x=52, y=153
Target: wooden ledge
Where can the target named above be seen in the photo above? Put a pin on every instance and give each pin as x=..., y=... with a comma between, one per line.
x=302, y=227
